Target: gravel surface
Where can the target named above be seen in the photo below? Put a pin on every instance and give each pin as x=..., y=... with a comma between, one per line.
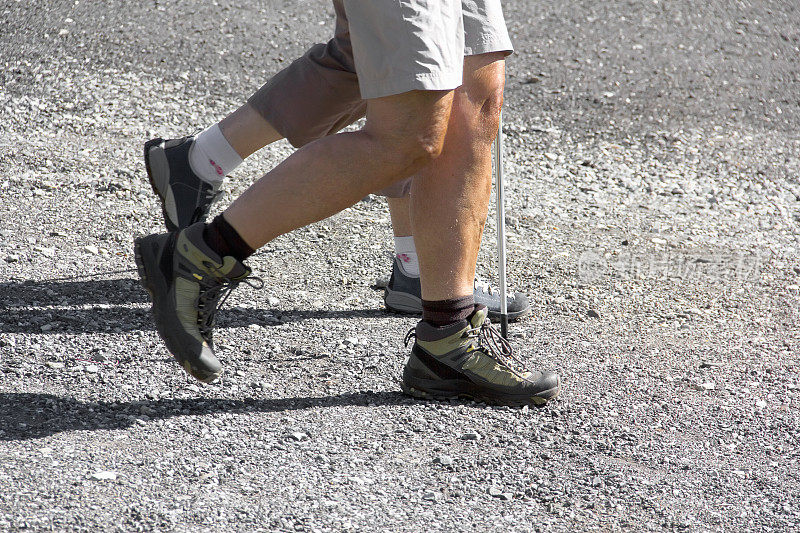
x=653, y=154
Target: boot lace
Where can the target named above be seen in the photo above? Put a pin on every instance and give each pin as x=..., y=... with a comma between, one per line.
x=491, y=342
x=213, y=295
x=481, y=285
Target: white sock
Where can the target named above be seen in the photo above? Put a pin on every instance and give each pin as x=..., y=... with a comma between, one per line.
x=212, y=157
x=407, y=255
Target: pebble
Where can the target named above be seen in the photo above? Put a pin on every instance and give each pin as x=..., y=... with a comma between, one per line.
x=471, y=436
x=495, y=492
x=55, y=365
x=45, y=251
x=298, y=436
x=92, y=249
x=445, y=460
x=104, y=475
x=92, y=369
x=431, y=496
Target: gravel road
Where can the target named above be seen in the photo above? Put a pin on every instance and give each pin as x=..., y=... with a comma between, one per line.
x=653, y=159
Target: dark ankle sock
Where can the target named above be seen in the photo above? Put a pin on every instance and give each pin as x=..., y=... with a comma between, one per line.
x=440, y=313
x=225, y=240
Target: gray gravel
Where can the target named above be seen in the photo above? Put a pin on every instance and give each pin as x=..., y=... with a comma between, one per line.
x=653, y=155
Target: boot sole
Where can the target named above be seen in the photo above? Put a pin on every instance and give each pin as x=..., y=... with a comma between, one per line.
x=149, y=286
x=538, y=400
x=147, y=146
x=408, y=304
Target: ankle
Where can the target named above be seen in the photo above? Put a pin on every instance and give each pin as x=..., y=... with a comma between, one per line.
x=406, y=255
x=212, y=157
x=225, y=240
x=439, y=313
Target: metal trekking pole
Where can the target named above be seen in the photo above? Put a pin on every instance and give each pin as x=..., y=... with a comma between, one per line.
x=501, y=228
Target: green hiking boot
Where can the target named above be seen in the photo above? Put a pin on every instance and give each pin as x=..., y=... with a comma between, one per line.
x=187, y=282
x=470, y=359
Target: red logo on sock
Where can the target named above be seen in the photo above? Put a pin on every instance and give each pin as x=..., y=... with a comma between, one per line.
x=404, y=258
x=216, y=167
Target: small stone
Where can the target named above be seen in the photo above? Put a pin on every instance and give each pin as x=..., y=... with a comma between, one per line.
x=92, y=249
x=431, y=496
x=471, y=436
x=591, y=313
x=597, y=481
x=495, y=492
x=658, y=240
x=47, y=252
x=708, y=385
x=761, y=404
x=298, y=436
x=351, y=341
x=46, y=451
x=273, y=301
x=551, y=156
x=12, y=258
x=92, y=369
x=55, y=365
x=104, y=475
x=710, y=364
x=445, y=460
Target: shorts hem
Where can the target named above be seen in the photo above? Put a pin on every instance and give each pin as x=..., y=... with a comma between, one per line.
x=446, y=81
x=488, y=46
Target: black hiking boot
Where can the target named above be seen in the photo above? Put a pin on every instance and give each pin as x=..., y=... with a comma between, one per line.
x=187, y=283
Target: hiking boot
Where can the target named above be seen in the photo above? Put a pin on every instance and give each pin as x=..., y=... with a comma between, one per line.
x=470, y=359
x=403, y=295
x=185, y=198
x=187, y=282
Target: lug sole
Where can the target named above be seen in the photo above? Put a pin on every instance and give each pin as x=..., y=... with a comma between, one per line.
x=538, y=400
x=147, y=146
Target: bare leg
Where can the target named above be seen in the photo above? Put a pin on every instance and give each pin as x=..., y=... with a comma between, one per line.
x=403, y=133
x=247, y=131
x=400, y=211
x=450, y=196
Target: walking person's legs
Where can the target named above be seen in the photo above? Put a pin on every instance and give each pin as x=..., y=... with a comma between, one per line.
x=456, y=352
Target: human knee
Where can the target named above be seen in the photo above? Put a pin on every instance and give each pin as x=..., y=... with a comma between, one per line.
x=411, y=135
x=483, y=90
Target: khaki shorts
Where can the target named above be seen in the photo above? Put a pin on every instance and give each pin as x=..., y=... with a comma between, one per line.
x=380, y=47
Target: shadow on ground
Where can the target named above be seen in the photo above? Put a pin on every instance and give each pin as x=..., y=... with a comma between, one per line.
x=25, y=416
x=28, y=307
